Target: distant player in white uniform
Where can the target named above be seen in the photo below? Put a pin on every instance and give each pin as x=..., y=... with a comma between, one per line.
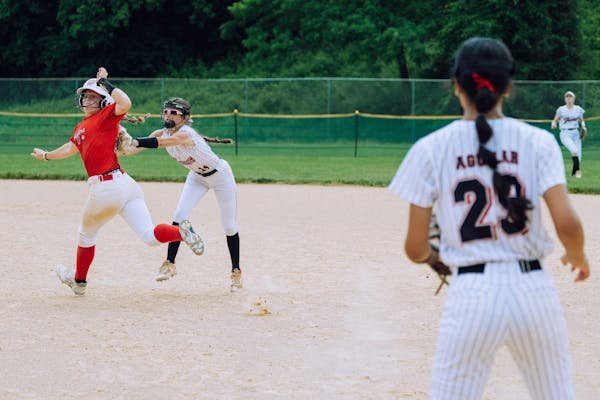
x=487, y=174
x=207, y=171
x=569, y=117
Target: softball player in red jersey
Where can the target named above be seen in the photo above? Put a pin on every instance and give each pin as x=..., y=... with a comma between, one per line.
x=568, y=118
x=112, y=191
x=207, y=171
x=487, y=174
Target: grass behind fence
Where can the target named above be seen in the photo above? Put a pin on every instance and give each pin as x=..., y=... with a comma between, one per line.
x=269, y=150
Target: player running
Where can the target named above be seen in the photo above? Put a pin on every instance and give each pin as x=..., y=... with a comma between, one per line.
x=112, y=191
x=568, y=118
x=206, y=171
x=488, y=183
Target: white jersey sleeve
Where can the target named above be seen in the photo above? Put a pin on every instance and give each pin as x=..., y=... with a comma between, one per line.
x=415, y=179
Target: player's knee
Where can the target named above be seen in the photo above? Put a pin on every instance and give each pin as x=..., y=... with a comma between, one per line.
x=86, y=239
x=149, y=238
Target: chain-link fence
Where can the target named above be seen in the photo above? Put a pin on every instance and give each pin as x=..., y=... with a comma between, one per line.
x=348, y=116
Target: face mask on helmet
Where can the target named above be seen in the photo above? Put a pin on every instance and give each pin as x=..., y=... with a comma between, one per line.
x=100, y=104
x=169, y=124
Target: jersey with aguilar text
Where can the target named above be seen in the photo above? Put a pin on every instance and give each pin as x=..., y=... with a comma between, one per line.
x=443, y=169
x=95, y=137
x=198, y=158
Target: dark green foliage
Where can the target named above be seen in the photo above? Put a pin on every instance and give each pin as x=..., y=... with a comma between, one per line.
x=550, y=39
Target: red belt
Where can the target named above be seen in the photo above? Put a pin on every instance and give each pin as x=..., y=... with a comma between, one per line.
x=109, y=175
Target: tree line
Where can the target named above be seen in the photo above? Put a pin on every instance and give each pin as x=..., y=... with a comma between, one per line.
x=550, y=39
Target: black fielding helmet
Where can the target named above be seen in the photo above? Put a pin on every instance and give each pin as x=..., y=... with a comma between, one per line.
x=178, y=104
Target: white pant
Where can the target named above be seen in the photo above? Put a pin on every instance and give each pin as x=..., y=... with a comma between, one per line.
x=502, y=306
x=121, y=195
x=571, y=140
x=196, y=186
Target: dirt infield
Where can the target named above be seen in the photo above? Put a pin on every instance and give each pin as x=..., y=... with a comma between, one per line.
x=351, y=317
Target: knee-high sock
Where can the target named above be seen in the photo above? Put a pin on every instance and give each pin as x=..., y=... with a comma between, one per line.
x=85, y=256
x=167, y=233
x=173, y=248
x=575, y=164
x=233, y=244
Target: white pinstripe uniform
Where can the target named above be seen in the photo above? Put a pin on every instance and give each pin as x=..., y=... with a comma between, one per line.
x=201, y=160
x=502, y=305
x=569, y=123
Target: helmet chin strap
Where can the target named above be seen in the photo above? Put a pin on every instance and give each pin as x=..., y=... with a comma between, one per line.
x=80, y=101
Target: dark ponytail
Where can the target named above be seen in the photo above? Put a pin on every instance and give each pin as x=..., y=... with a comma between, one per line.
x=484, y=68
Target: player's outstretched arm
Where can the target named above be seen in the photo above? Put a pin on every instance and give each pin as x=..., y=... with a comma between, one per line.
x=569, y=230
x=122, y=101
x=64, y=151
x=135, y=147
x=155, y=140
x=554, y=122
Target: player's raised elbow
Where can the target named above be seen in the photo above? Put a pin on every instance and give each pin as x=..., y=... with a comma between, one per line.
x=123, y=102
x=123, y=105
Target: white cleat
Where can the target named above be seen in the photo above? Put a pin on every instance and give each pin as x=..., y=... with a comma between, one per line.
x=166, y=271
x=236, y=280
x=191, y=238
x=67, y=277
x=578, y=174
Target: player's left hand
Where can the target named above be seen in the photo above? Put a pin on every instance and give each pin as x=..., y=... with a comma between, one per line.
x=441, y=269
x=583, y=133
x=38, y=154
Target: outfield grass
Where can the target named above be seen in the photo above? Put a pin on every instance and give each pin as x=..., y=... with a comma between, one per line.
x=255, y=164
x=374, y=165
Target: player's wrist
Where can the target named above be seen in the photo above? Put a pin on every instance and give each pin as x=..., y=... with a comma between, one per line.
x=45, y=156
x=104, y=83
x=147, y=142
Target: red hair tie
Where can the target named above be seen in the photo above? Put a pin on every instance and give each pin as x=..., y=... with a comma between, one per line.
x=481, y=82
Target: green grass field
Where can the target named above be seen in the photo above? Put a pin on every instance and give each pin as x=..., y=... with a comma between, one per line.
x=268, y=150
x=300, y=164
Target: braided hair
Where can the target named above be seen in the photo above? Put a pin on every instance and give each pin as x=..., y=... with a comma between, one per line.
x=484, y=68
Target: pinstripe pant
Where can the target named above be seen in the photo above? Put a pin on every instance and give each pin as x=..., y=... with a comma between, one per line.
x=502, y=306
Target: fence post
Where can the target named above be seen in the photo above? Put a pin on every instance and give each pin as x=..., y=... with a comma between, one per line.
x=235, y=129
x=412, y=110
x=355, y=132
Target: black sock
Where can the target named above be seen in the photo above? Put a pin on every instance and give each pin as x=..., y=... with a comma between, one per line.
x=173, y=248
x=233, y=244
x=575, y=164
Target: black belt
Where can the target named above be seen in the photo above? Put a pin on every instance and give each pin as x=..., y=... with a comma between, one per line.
x=526, y=266
x=209, y=173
